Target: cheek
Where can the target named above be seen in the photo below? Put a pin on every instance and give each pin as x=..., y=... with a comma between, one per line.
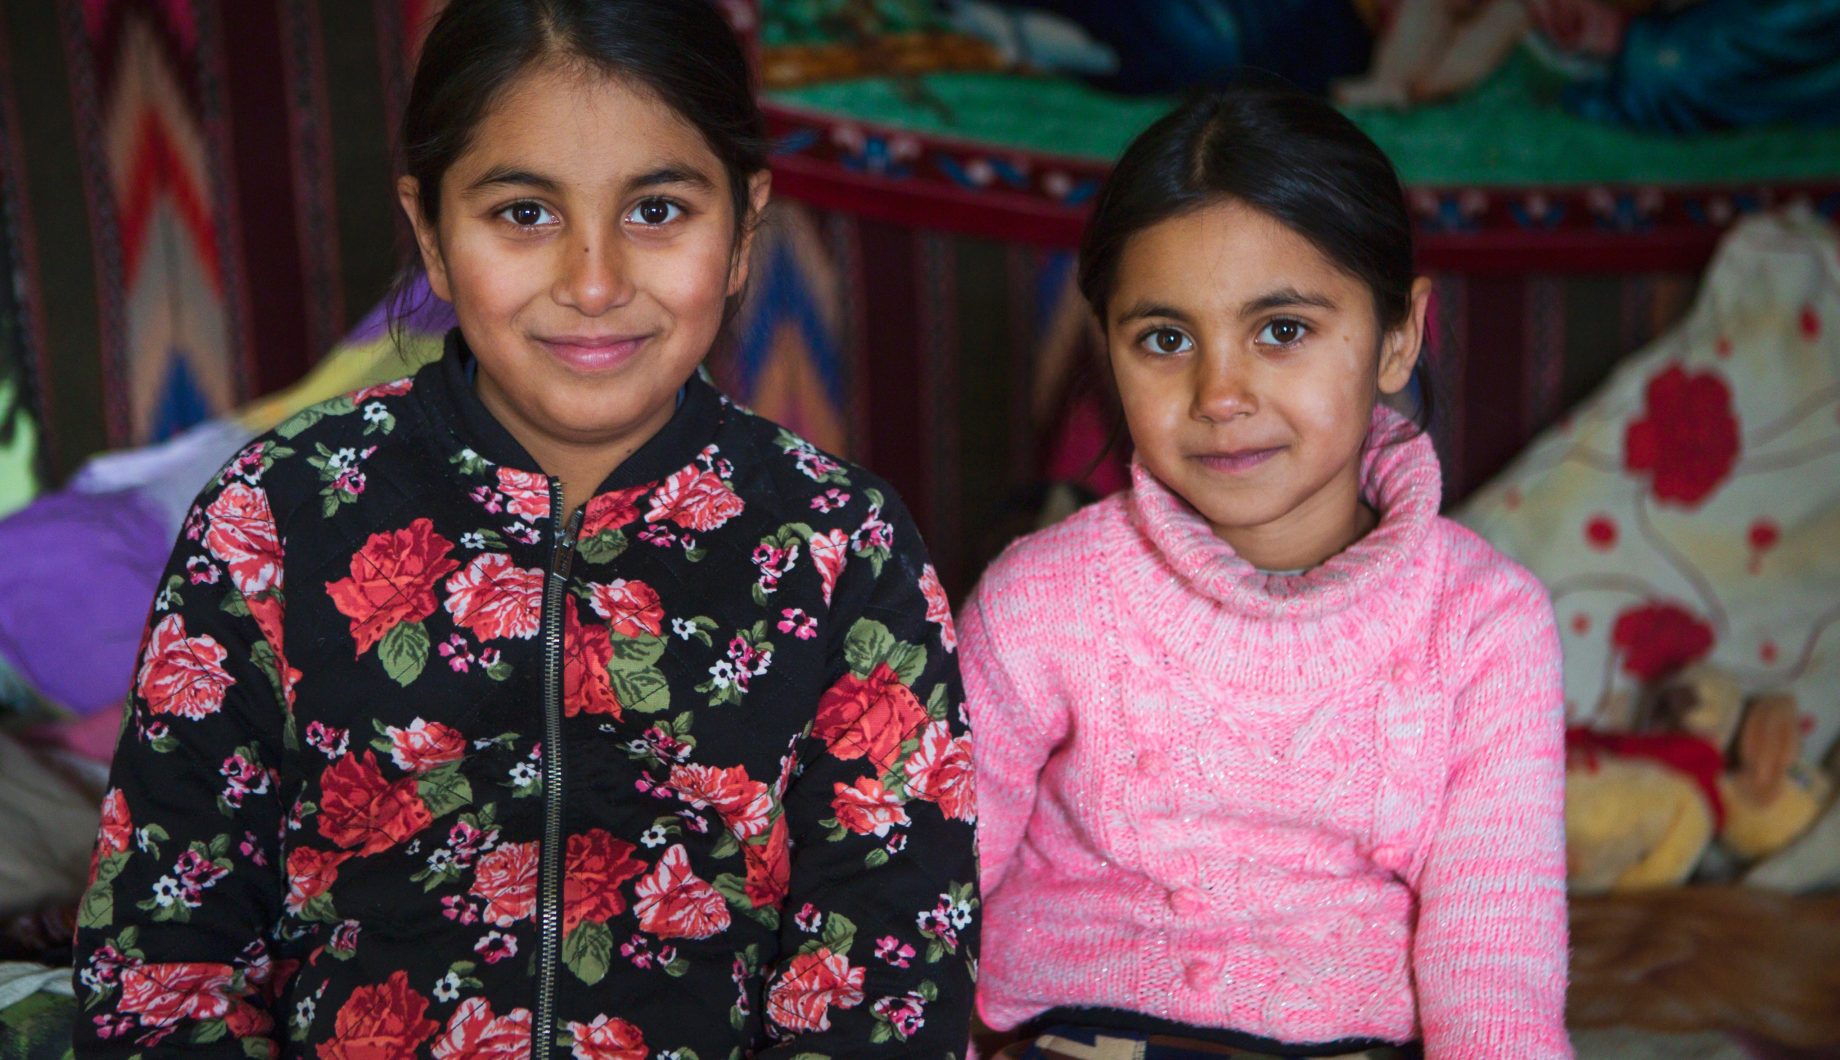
x=692, y=278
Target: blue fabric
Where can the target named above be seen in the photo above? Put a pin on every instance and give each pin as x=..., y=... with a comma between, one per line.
x=1722, y=64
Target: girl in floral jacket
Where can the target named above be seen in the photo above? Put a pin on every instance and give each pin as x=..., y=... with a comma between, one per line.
x=544, y=703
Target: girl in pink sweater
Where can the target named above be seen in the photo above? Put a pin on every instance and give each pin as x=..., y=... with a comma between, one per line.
x=1270, y=756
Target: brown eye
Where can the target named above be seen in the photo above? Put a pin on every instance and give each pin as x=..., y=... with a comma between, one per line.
x=526, y=214
x=655, y=212
x=1167, y=341
x=1282, y=332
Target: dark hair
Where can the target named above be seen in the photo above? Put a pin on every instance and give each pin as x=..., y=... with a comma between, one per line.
x=682, y=50
x=1277, y=150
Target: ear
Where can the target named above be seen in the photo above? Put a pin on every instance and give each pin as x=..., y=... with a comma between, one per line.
x=760, y=189
x=427, y=240
x=1400, y=349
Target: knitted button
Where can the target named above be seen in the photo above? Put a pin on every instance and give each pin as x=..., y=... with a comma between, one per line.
x=1187, y=901
x=1199, y=974
x=1404, y=672
x=1150, y=763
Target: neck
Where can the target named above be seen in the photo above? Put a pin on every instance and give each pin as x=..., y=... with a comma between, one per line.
x=581, y=464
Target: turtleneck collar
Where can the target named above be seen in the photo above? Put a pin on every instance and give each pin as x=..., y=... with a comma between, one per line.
x=449, y=386
x=1191, y=581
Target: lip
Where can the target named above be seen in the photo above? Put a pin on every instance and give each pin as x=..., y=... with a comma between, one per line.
x=1236, y=461
x=592, y=353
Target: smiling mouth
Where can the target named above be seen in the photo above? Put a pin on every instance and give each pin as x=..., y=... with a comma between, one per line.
x=1237, y=460
x=593, y=353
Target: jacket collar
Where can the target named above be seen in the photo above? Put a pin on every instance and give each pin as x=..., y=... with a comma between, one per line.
x=449, y=386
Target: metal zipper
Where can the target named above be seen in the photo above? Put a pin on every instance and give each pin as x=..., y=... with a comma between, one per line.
x=549, y=955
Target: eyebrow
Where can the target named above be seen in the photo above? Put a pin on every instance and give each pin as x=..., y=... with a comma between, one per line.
x=667, y=174
x=1283, y=298
x=1142, y=310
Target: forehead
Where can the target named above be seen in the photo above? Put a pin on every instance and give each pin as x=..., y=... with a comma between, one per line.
x=1222, y=255
x=583, y=126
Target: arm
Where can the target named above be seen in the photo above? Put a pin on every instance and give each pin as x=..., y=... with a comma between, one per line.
x=172, y=942
x=1013, y=739
x=880, y=925
x=1489, y=949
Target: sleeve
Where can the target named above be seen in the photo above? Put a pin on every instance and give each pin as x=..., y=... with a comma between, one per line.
x=879, y=940
x=1489, y=949
x=1016, y=733
x=172, y=947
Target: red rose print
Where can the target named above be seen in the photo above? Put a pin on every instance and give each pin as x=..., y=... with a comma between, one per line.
x=117, y=830
x=526, y=493
x=247, y=1021
x=182, y=675
x=1657, y=639
x=495, y=598
x=631, y=607
x=769, y=867
x=829, y=550
x=394, y=388
x=586, y=650
x=809, y=986
x=424, y=746
x=674, y=904
x=392, y=581
x=608, y=1039
x=866, y=807
x=612, y=511
x=507, y=880
x=743, y=803
x=868, y=716
x=358, y=808
x=596, y=865
x=1687, y=436
x=380, y=1021
x=310, y=874
x=472, y=1031
x=164, y=994
x=243, y=536
x=940, y=771
x=266, y=610
x=938, y=607
x=695, y=500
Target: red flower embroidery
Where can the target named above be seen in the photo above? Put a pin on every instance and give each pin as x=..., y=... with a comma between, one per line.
x=392, y=581
x=526, y=493
x=586, y=650
x=507, y=880
x=394, y=388
x=867, y=807
x=829, y=550
x=596, y=865
x=632, y=607
x=607, y=1039
x=358, y=808
x=266, y=609
x=940, y=771
x=472, y=1031
x=1687, y=436
x=164, y=994
x=868, y=716
x=743, y=803
x=769, y=867
x=938, y=607
x=675, y=904
x=117, y=829
x=495, y=598
x=1657, y=639
x=695, y=500
x=424, y=746
x=380, y=1021
x=182, y=675
x=612, y=511
x=243, y=536
x=310, y=874
x=811, y=985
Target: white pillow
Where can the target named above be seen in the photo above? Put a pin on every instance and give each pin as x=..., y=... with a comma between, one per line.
x=1691, y=507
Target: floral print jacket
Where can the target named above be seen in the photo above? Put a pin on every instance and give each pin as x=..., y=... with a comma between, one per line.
x=417, y=764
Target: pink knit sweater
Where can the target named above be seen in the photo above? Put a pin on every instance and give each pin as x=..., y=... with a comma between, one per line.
x=1307, y=807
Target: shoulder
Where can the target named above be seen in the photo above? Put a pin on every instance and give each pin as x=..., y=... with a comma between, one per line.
x=1040, y=574
x=1489, y=600
x=793, y=480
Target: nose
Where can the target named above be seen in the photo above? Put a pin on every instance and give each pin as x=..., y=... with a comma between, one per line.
x=1224, y=389
x=594, y=276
